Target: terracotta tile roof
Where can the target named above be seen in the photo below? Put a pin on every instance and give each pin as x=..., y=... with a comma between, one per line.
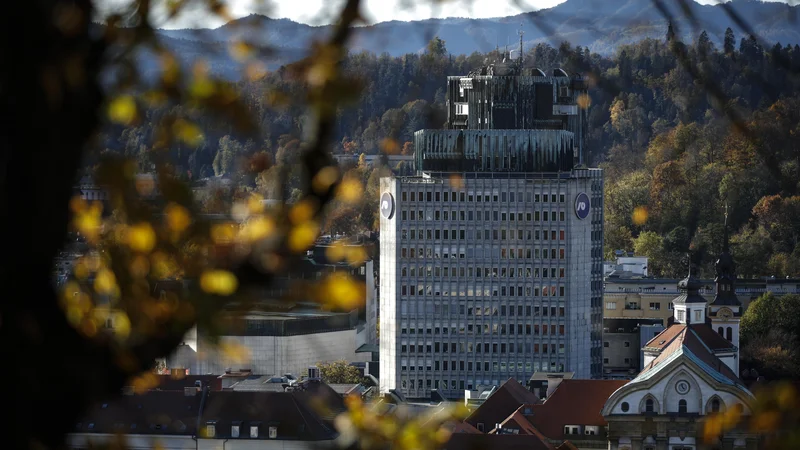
x=560, y=408
x=501, y=404
x=464, y=427
x=711, y=338
x=517, y=421
x=665, y=338
x=567, y=445
x=462, y=441
x=688, y=340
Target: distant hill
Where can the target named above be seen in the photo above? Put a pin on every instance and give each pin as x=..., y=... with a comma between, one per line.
x=600, y=25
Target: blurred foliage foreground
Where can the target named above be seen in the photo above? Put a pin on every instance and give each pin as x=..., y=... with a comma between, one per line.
x=154, y=230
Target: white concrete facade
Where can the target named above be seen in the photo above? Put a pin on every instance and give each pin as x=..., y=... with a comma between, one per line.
x=273, y=354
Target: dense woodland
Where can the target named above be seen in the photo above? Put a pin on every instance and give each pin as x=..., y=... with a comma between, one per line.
x=661, y=123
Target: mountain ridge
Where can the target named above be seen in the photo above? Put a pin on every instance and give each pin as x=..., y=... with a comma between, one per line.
x=600, y=26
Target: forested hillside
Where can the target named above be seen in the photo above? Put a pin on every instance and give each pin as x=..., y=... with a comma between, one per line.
x=673, y=160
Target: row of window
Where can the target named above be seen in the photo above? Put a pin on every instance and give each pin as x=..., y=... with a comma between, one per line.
x=507, y=329
x=495, y=216
x=486, y=348
x=654, y=306
x=486, y=291
x=489, y=235
x=478, y=366
x=512, y=197
x=485, y=272
x=484, y=311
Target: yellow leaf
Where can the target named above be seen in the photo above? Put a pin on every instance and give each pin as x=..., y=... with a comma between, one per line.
x=219, y=282
x=202, y=88
x=639, y=215
x=77, y=204
x=303, y=236
x=255, y=71
x=141, y=237
x=240, y=50
x=258, y=228
x=456, y=182
x=88, y=222
x=350, y=191
x=121, y=324
x=343, y=292
x=301, y=212
x=223, y=233
x=390, y=146
x=584, y=101
x=139, y=266
x=336, y=252
x=323, y=180
x=188, y=132
x=122, y=110
x=255, y=204
x=234, y=352
x=765, y=421
x=105, y=282
x=356, y=255
x=178, y=218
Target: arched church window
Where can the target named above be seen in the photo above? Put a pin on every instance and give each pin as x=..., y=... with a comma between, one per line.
x=721, y=331
x=682, y=406
x=729, y=334
x=715, y=405
x=624, y=406
x=648, y=405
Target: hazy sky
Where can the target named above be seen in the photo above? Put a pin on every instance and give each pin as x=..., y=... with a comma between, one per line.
x=317, y=12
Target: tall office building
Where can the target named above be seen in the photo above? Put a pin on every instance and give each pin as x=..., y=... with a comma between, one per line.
x=491, y=256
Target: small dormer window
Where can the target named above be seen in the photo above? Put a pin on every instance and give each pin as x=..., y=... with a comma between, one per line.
x=253, y=431
x=235, y=429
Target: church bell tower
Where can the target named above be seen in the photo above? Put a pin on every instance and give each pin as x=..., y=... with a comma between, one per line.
x=725, y=311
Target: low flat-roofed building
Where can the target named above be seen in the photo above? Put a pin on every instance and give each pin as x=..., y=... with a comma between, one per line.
x=206, y=419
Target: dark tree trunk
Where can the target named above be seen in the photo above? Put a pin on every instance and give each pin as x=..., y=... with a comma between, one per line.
x=50, y=107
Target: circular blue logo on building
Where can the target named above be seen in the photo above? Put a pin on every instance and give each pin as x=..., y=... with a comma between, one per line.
x=582, y=206
x=387, y=205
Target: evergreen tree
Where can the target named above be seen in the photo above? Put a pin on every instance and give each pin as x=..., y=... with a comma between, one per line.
x=703, y=44
x=730, y=42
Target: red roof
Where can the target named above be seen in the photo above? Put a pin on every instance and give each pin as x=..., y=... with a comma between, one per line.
x=464, y=427
x=516, y=421
x=501, y=404
x=688, y=338
x=574, y=402
x=710, y=338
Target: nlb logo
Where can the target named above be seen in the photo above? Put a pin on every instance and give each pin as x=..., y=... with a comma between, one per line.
x=387, y=205
x=582, y=206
